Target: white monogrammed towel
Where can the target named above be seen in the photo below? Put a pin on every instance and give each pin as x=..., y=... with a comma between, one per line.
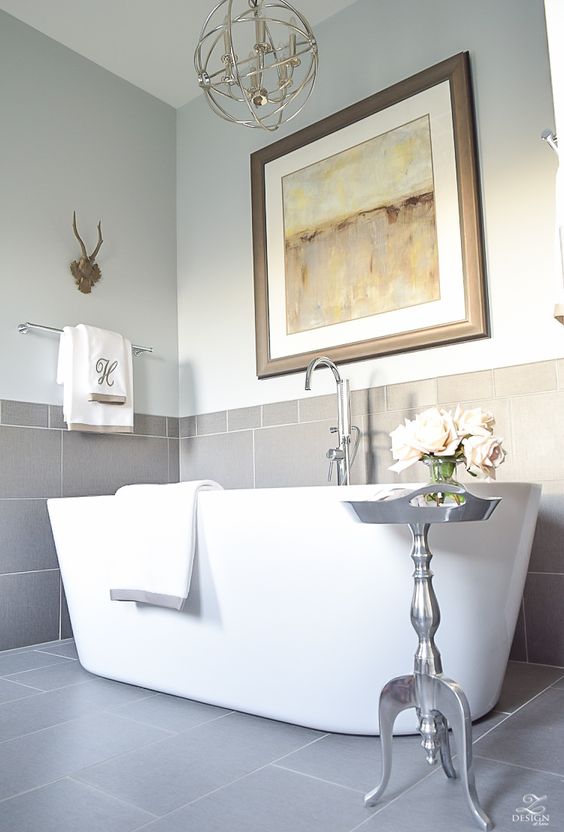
x=75, y=373
x=109, y=355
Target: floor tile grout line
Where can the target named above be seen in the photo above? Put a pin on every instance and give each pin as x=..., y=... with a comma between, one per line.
x=74, y=774
x=394, y=799
x=527, y=702
x=518, y=765
x=59, y=655
x=41, y=667
x=23, y=685
x=537, y=664
x=512, y=714
x=319, y=779
x=437, y=770
x=115, y=797
x=20, y=698
x=493, y=728
x=236, y=780
x=47, y=690
x=32, y=789
x=138, y=721
x=33, y=648
x=152, y=724
x=94, y=712
x=132, y=750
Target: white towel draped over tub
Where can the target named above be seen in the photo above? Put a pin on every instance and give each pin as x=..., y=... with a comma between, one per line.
x=96, y=369
x=154, y=559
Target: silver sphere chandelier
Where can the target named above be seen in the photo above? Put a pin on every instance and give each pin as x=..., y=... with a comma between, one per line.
x=256, y=62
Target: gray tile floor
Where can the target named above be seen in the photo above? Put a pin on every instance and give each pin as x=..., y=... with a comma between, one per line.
x=84, y=754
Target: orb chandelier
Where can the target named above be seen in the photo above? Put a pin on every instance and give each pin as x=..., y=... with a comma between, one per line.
x=256, y=62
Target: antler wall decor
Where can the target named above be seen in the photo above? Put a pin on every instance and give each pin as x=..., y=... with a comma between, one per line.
x=84, y=270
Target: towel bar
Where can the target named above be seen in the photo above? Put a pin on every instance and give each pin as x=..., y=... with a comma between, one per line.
x=25, y=327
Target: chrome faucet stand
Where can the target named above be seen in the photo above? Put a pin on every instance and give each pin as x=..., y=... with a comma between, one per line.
x=440, y=702
x=342, y=456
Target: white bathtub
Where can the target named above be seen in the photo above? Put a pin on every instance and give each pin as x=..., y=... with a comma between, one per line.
x=297, y=611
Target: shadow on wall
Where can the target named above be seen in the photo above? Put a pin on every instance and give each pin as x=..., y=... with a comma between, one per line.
x=377, y=442
x=188, y=398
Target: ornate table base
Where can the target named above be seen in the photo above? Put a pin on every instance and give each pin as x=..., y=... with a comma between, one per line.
x=439, y=701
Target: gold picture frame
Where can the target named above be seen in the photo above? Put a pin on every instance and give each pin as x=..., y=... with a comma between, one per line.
x=367, y=233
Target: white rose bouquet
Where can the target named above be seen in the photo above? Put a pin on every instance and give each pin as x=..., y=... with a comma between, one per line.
x=438, y=436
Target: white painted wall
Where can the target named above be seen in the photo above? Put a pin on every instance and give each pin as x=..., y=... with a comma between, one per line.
x=362, y=50
x=72, y=135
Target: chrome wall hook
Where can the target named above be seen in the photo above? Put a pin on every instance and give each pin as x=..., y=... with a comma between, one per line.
x=551, y=139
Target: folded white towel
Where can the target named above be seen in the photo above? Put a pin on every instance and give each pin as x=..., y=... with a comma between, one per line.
x=79, y=356
x=154, y=559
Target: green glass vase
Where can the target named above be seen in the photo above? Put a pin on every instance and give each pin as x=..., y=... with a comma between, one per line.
x=442, y=470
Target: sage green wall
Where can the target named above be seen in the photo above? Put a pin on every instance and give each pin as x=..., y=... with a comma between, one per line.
x=73, y=135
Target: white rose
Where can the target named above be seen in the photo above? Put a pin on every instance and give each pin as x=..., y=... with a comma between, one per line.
x=474, y=422
x=434, y=432
x=484, y=453
x=402, y=447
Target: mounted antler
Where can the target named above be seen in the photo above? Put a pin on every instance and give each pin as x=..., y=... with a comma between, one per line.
x=85, y=271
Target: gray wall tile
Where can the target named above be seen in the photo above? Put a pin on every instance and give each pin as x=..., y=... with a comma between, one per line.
x=501, y=409
x=172, y=426
x=466, y=386
x=56, y=417
x=26, y=541
x=31, y=462
x=24, y=413
x=207, y=423
x=317, y=408
x=29, y=608
x=525, y=378
x=413, y=394
x=97, y=464
x=173, y=460
x=244, y=418
x=145, y=425
x=377, y=448
x=280, y=413
x=548, y=546
x=187, y=426
x=370, y=400
x=226, y=458
x=544, y=616
x=538, y=438
x=295, y=455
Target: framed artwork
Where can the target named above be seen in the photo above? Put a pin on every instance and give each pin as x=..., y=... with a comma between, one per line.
x=367, y=229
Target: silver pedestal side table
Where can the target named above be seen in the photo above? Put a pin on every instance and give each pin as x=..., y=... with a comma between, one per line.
x=439, y=701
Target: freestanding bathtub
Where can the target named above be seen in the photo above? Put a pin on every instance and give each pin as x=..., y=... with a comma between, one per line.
x=297, y=611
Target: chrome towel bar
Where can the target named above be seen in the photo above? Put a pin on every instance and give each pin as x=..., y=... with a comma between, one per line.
x=25, y=327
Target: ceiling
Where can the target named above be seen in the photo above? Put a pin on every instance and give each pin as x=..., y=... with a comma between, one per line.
x=150, y=43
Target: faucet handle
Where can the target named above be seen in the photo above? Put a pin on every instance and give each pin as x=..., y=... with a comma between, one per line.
x=332, y=455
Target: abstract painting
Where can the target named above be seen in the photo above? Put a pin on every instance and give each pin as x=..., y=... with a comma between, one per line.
x=359, y=231
x=367, y=232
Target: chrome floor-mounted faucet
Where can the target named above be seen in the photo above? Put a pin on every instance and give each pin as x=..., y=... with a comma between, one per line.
x=342, y=455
